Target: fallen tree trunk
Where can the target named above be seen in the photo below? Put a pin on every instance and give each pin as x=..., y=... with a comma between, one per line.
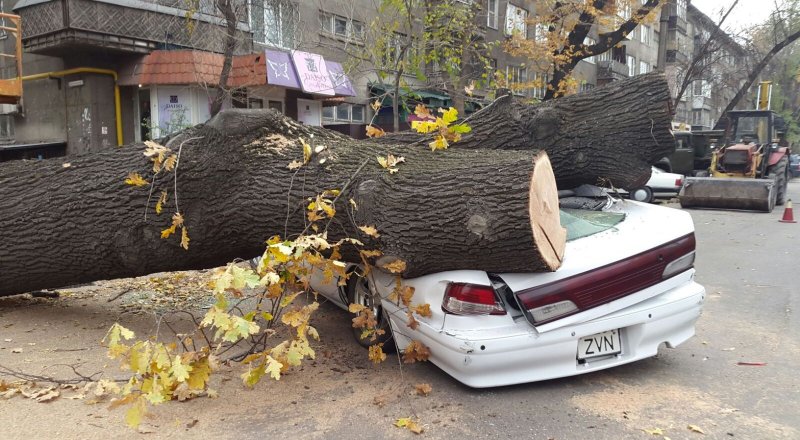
x=610, y=136
x=73, y=220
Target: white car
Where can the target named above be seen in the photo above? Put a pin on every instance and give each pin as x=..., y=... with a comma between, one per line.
x=661, y=185
x=620, y=294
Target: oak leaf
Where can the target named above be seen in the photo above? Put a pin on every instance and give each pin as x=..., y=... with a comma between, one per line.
x=423, y=389
x=423, y=310
x=422, y=112
x=135, y=179
x=185, y=238
x=370, y=230
x=375, y=132
x=376, y=354
x=396, y=266
x=416, y=351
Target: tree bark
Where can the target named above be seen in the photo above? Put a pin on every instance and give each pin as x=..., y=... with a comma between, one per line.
x=609, y=136
x=73, y=220
x=487, y=203
x=226, y=8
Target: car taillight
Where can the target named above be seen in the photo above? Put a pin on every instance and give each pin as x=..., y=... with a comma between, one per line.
x=566, y=297
x=471, y=299
x=678, y=182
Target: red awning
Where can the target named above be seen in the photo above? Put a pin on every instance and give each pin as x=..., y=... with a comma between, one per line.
x=163, y=67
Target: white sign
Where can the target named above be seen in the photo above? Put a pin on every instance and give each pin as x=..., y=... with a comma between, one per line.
x=174, y=109
x=313, y=73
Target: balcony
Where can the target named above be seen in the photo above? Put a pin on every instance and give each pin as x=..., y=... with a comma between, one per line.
x=53, y=27
x=676, y=23
x=608, y=71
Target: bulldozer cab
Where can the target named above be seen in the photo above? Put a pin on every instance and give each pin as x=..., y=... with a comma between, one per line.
x=751, y=127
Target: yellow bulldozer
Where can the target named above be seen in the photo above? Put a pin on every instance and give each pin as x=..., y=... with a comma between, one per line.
x=749, y=167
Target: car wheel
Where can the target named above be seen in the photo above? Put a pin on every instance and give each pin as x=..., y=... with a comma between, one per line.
x=359, y=291
x=643, y=194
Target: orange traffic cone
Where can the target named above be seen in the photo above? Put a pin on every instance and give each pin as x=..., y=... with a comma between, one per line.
x=788, y=214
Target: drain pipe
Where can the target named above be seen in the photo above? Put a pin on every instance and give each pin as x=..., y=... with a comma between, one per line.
x=63, y=73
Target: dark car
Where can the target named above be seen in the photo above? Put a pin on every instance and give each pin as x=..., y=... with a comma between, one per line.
x=794, y=165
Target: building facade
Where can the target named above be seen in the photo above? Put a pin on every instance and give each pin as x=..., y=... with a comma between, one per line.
x=98, y=73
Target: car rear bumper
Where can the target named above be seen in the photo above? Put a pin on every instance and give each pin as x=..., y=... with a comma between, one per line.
x=518, y=353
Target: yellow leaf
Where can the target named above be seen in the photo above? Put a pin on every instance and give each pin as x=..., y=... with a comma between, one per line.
x=376, y=105
x=439, y=143
x=133, y=417
x=370, y=230
x=167, y=232
x=375, y=132
x=199, y=376
x=424, y=126
x=117, y=332
x=185, y=238
x=161, y=201
x=273, y=368
x=135, y=179
x=409, y=424
x=353, y=204
x=179, y=370
x=169, y=164
x=423, y=389
x=423, y=310
x=376, y=354
x=695, y=428
x=306, y=150
x=355, y=308
x=422, y=112
x=295, y=164
x=654, y=431
x=469, y=89
x=396, y=266
x=416, y=351
x=449, y=116
x=177, y=219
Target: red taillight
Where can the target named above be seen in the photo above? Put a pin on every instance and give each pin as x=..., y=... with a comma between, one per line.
x=678, y=182
x=581, y=292
x=471, y=299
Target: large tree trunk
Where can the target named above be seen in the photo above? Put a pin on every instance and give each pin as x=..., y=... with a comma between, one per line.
x=446, y=210
x=610, y=136
x=489, y=204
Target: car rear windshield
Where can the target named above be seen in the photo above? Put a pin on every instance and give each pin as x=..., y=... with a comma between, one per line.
x=583, y=223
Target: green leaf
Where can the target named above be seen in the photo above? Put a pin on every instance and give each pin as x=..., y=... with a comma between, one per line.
x=461, y=128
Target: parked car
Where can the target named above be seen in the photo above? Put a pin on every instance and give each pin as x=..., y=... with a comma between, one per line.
x=661, y=185
x=794, y=165
x=626, y=287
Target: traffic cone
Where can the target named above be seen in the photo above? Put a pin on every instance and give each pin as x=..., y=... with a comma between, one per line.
x=788, y=214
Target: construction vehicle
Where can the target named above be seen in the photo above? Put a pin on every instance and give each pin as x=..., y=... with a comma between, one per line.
x=749, y=167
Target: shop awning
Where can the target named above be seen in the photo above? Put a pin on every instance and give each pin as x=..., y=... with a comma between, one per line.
x=308, y=72
x=163, y=67
x=380, y=89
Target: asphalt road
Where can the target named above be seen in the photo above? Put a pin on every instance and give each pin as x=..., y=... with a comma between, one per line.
x=747, y=261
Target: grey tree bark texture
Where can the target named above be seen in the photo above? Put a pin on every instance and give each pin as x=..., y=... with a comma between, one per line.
x=73, y=220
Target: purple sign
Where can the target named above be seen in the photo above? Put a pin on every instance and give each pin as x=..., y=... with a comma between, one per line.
x=280, y=70
x=313, y=73
x=341, y=83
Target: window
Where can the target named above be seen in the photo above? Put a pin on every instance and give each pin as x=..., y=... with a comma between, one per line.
x=645, y=35
x=631, y=65
x=681, y=6
x=643, y=67
x=6, y=128
x=516, y=20
x=341, y=26
x=540, y=32
x=540, y=85
x=589, y=42
x=605, y=56
x=697, y=117
x=274, y=22
x=701, y=87
x=491, y=13
x=344, y=113
x=275, y=105
x=517, y=76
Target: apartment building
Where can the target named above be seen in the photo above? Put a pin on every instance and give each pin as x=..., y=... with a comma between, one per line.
x=716, y=77
x=111, y=72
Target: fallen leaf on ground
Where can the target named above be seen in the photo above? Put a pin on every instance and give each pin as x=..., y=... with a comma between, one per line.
x=695, y=428
x=654, y=431
x=16, y=350
x=423, y=389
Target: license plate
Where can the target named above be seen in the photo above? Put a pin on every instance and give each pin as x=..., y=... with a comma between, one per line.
x=600, y=344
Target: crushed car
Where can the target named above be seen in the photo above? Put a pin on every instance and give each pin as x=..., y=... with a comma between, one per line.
x=626, y=287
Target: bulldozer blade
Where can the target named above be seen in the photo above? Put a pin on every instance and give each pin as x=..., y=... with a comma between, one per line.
x=728, y=193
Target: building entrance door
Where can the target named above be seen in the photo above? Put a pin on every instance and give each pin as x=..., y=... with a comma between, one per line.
x=309, y=112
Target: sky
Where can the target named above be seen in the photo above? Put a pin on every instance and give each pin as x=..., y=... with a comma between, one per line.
x=745, y=14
